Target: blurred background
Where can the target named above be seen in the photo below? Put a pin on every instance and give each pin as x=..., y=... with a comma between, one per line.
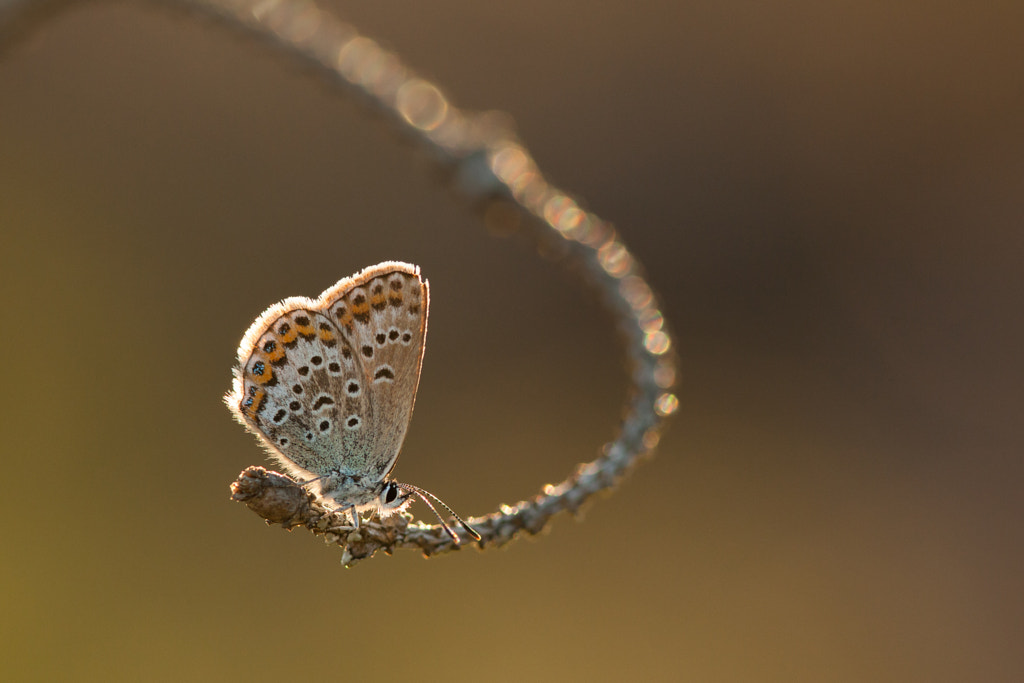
x=828, y=196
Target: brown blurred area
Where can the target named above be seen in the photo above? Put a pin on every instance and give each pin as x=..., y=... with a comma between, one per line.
x=828, y=196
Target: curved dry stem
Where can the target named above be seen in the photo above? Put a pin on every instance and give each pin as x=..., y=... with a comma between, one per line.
x=491, y=167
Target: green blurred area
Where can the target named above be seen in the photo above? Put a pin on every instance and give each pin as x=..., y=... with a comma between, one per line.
x=828, y=198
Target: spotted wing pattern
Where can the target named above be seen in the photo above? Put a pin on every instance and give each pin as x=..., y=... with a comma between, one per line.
x=328, y=384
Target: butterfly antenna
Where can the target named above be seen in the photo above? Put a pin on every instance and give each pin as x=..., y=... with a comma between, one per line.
x=424, y=497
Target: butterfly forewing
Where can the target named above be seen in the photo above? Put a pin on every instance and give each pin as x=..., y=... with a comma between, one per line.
x=384, y=316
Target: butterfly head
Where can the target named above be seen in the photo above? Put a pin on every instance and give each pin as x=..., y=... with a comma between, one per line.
x=396, y=495
x=393, y=498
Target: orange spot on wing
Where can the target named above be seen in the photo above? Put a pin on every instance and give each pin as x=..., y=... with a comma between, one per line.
x=360, y=308
x=276, y=354
x=261, y=373
x=306, y=330
x=255, y=405
x=326, y=335
x=286, y=333
x=344, y=317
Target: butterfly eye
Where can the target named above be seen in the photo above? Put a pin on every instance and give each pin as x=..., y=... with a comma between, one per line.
x=392, y=497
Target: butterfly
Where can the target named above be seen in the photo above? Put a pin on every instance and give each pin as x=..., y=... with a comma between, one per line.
x=328, y=386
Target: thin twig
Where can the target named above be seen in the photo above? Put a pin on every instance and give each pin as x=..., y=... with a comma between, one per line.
x=491, y=167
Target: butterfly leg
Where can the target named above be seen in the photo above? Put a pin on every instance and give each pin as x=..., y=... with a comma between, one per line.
x=351, y=510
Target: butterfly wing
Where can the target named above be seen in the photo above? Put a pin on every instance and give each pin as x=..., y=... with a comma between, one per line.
x=328, y=385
